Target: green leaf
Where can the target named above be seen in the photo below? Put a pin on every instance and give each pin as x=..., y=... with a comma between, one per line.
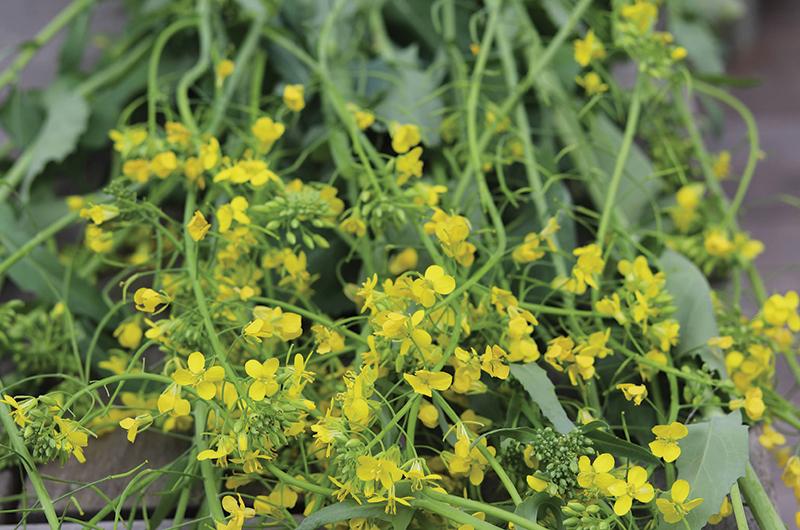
x=21, y=116
x=67, y=116
x=695, y=312
x=349, y=510
x=413, y=97
x=714, y=455
x=638, y=186
x=540, y=502
x=41, y=273
x=605, y=442
x=538, y=385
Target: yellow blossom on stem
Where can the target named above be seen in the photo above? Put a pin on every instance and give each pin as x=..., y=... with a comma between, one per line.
x=424, y=382
x=147, y=300
x=428, y=414
x=236, y=210
x=588, y=49
x=364, y=118
x=404, y=136
x=263, y=374
x=592, y=83
x=753, y=403
x=99, y=213
x=237, y=511
x=676, y=507
x=223, y=70
x=134, y=424
x=642, y=14
x=294, y=97
x=267, y=132
x=403, y=261
x=435, y=281
x=129, y=334
x=721, y=167
x=725, y=510
x=409, y=165
x=632, y=392
x=163, y=164
x=770, y=438
x=781, y=310
x=666, y=443
x=198, y=376
x=596, y=474
x=635, y=487
x=270, y=322
x=198, y=226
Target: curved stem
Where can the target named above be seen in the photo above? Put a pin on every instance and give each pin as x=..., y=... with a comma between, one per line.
x=194, y=73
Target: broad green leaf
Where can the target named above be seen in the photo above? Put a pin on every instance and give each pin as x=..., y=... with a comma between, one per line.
x=713, y=456
x=67, y=114
x=41, y=273
x=349, y=510
x=413, y=97
x=21, y=116
x=695, y=312
x=638, y=186
x=538, y=385
x=540, y=502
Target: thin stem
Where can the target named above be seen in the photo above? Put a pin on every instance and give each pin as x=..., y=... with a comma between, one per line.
x=488, y=509
x=194, y=73
x=738, y=508
x=37, y=240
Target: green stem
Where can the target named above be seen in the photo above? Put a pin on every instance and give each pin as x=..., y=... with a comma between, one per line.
x=619, y=165
x=395, y=419
x=488, y=509
x=37, y=240
x=457, y=516
x=738, y=508
x=43, y=37
x=30, y=467
x=199, y=68
x=493, y=463
x=759, y=502
x=210, y=478
x=298, y=483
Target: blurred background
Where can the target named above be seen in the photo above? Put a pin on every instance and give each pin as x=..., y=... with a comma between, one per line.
x=757, y=42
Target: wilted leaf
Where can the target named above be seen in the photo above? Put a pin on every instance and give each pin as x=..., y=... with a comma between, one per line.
x=695, y=312
x=538, y=385
x=713, y=456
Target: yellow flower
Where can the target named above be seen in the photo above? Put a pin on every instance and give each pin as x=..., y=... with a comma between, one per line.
x=771, y=438
x=636, y=487
x=132, y=425
x=127, y=140
x=596, y=474
x=177, y=133
x=641, y=14
x=423, y=381
x=20, y=409
x=223, y=70
x=200, y=377
x=635, y=393
x=197, y=226
x=233, y=211
x=281, y=496
x=238, y=513
x=264, y=384
x=725, y=510
x=436, y=280
x=722, y=165
x=354, y=225
x=535, y=483
x=592, y=83
x=99, y=213
x=170, y=401
x=209, y=153
x=129, y=334
x=588, y=48
x=782, y=310
x=147, y=300
x=294, y=97
x=403, y=261
x=676, y=508
x=137, y=169
x=428, y=414
x=71, y=438
x=666, y=443
x=116, y=364
x=452, y=232
x=98, y=240
x=327, y=339
x=163, y=164
x=409, y=165
x=612, y=307
x=382, y=470
x=717, y=243
x=494, y=362
x=753, y=403
x=269, y=322
x=678, y=53
x=529, y=250
x=467, y=458
x=364, y=118
x=404, y=136
x=267, y=132
x=75, y=202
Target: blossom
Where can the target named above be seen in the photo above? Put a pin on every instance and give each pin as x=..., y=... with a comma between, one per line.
x=409, y=165
x=403, y=261
x=666, y=443
x=233, y=211
x=676, y=507
x=436, y=281
x=588, y=48
x=635, y=393
x=404, y=136
x=780, y=310
x=223, y=70
x=147, y=300
x=267, y=132
x=294, y=97
x=364, y=118
x=721, y=167
x=163, y=164
x=642, y=14
x=636, y=487
x=770, y=438
x=270, y=322
x=132, y=425
x=596, y=474
x=428, y=414
x=529, y=250
x=424, y=381
x=99, y=213
x=494, y=362
x=725, y=510
x=238, y=513
x=197, y=226
x=200, y=377
x=263, y=374
x=753, y=403
x=127, y=140
x=71, y=438
x=177, y=133
x=592, y=83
